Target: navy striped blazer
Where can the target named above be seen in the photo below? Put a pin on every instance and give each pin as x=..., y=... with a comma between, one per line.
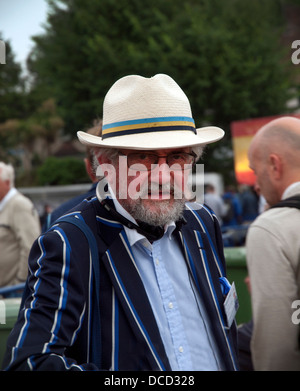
x=62, y=326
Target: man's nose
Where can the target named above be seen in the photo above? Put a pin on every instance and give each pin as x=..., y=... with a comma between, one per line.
x=161, y=172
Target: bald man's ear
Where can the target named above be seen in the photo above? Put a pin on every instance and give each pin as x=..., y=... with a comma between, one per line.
x=275, y=166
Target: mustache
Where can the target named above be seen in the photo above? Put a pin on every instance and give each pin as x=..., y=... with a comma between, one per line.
x=155, y=188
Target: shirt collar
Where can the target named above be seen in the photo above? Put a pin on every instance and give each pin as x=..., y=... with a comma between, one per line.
x=291, y=190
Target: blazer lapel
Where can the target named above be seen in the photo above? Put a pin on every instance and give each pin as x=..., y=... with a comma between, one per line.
x=201, y=263
x=129, y=288
x=198, y=256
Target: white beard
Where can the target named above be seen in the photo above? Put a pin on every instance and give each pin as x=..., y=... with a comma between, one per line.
x=162, y=214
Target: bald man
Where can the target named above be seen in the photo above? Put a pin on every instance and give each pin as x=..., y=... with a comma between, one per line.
x=273, y=247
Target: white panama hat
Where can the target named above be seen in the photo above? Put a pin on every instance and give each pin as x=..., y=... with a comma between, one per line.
x=148, y=114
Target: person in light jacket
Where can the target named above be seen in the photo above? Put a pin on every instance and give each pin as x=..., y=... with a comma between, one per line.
x=273, y=247
x=19, y=227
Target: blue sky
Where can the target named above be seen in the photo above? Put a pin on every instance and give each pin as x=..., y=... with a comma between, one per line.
x=19, y=20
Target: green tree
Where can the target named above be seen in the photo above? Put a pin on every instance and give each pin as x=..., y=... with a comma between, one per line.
x=63, y=171
x=11, y=86
x=17, y=103
x=34, y=135
x=226, y=55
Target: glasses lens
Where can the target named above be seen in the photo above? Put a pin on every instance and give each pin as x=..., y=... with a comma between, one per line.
x=147, y=161
x=141, y=160
x=180, y=158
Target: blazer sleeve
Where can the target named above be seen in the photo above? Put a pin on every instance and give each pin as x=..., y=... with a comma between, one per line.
x=53, y=313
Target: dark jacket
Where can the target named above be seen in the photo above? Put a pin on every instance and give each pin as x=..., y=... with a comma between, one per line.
x=56, y=328
x=66, y=206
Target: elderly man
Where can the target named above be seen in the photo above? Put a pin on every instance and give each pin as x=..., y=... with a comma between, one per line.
x=19, y=228
x=273, y=246
x=153, y=296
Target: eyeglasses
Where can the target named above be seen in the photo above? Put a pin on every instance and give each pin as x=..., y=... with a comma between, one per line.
x=143, y=161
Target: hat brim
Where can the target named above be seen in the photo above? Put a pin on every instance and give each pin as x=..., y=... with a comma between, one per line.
x=157, y=140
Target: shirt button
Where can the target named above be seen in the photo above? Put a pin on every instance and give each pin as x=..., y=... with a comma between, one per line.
x=156, y=262
x=170, y=305
x=180, y=349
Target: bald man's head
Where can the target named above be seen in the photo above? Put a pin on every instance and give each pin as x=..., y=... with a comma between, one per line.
x=274, y=155
x=280, y=136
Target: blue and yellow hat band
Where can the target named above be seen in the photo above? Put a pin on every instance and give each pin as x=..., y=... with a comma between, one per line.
x=147, y=125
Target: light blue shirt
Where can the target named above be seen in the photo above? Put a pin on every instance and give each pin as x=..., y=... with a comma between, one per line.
x=176, y=305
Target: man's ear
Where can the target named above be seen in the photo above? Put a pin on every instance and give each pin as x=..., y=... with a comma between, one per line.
x=105, y=169
x=276, y=166
x=103, y=162
x=90, y=170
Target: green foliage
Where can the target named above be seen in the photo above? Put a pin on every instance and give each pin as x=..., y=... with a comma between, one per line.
x=11, y=87
x=62, y=171
x=225, y=54
x=17, y=101
x=43, y=124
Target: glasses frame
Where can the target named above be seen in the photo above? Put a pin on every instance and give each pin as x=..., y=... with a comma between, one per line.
x=192, y=154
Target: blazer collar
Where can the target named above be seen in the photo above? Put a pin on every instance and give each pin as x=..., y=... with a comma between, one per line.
x=117, y=257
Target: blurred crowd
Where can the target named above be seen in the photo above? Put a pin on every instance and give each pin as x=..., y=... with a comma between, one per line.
x=235, y=209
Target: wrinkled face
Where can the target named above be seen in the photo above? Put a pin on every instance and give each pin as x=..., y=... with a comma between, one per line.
x=151, y=185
